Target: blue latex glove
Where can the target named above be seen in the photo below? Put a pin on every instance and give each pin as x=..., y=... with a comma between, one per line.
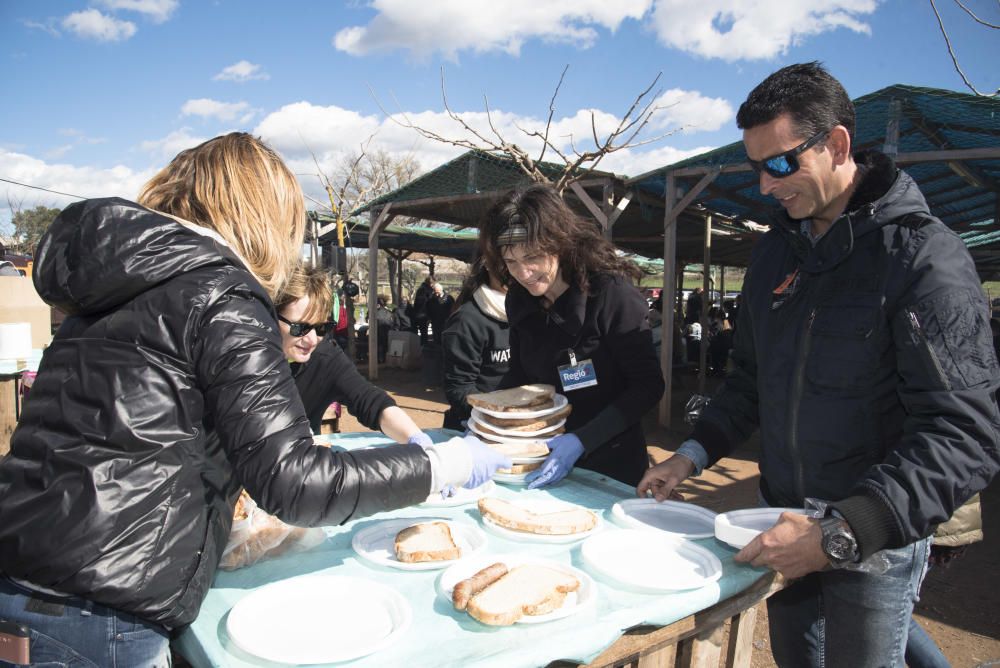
x=448, y=491
x=485, y=462
x=564, y=449
x=421, y=439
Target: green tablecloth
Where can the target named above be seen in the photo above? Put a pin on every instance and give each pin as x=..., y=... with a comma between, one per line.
x=440, y=636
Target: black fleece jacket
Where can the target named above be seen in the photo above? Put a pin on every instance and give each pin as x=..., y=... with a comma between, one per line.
x=330, y=376
x=607, y=324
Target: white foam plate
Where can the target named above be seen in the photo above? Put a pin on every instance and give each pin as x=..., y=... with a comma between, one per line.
x=650, y=561
x=541, y=506
x=574, y=602
x=476, y=424
x=559, y=399
x=318, y=619
x=739, y=527
x=511, y=478
x=462, y=496
x=684, y=520
x=376, y=543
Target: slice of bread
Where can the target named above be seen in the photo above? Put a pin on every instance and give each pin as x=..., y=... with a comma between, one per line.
x=531, y=589
x=429, y=541
x=523, y=398
x=525, y=424
x=559, y=523
x=521, y=448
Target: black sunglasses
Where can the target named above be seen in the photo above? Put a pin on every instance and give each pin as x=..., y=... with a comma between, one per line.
x=787, y=163
x=298, y=329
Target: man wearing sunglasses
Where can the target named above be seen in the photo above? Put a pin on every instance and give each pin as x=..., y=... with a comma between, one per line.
x=864, y=357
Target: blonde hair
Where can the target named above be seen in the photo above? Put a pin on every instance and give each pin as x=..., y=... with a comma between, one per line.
x=239, y=187
x=313, y=283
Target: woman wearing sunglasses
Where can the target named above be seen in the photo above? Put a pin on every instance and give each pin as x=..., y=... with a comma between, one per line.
x=163, y=393
x=323, y=372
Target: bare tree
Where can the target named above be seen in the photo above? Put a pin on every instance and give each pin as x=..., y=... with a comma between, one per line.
x=577, y=162
x=951, y=50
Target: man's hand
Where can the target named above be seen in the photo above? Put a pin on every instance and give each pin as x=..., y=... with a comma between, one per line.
x=662, y=478
x=793, y=547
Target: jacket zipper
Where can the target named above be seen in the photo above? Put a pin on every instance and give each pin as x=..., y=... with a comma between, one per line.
x=797, y=388
x=930, y=359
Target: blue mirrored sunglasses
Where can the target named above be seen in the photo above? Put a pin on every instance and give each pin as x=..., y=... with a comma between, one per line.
x=298, y=329
x=787, y=163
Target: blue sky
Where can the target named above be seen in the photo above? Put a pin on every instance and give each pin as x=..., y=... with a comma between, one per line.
x=100, y=94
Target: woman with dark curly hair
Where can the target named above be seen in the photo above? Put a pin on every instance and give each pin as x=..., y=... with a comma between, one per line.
x=576, y=322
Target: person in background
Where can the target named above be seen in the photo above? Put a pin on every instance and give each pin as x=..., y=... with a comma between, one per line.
x=693, y=308
x=863, y=355
x=164, y=392
x=420, y=314
x=403, y=320
x=476, y=342
x=386, y=323
x=439, y=307
x=323, y=373
x=577, y=322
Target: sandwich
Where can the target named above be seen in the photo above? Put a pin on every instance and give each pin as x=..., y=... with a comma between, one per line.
x=428, y=541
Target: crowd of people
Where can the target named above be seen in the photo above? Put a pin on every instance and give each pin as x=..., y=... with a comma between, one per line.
x=861, y=351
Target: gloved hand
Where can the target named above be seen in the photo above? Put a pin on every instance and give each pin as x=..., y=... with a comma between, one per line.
x=485, y=462
x=421, y=439
x=564, y=450
x=448, y=491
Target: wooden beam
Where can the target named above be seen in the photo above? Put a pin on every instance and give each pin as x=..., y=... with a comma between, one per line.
x=988, y=153
x=667, y=297
x=694, y=192
x=378, y=224
x=620, y=208
x=582, y=195
x=706, y=286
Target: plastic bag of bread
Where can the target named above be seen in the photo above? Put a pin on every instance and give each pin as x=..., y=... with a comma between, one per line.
x=256, y=535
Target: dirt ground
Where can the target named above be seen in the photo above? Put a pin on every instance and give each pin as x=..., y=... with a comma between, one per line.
x=959, y=605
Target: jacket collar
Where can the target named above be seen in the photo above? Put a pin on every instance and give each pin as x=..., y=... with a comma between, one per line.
x=567, y=312
x=879, y=178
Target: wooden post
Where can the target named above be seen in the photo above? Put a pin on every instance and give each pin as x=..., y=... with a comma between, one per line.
x=669, y=273
x=374, y=230
x=9, y=387
x=706, y=267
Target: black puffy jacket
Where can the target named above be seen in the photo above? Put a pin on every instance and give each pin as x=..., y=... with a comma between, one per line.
x=164, y=391
x=871, y=375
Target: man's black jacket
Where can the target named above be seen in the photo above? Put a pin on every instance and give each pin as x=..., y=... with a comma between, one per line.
x=871, y=375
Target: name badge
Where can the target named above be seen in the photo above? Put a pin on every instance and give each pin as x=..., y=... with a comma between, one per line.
x=574, y=376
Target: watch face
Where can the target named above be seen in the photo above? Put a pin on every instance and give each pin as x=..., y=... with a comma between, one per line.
x=839, y=546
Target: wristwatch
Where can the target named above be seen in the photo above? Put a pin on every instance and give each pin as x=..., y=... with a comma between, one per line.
x=839, y=544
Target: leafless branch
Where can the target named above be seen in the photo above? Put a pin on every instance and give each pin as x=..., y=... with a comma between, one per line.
x=951, y=52
x=552, y=111
x=976, y=18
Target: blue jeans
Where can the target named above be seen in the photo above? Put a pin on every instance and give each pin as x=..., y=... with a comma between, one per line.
x=78, y=633
x=846, y=618
x=921, y=650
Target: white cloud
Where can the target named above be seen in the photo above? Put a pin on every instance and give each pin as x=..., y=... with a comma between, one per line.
x=46, y=27
x=483, y=25
x=85, y=181
x=738, y=30
x=166, y=148
x=224, y=111
x=92, y=24
x=240, y=72
x=157, y=11
x=691, y=112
